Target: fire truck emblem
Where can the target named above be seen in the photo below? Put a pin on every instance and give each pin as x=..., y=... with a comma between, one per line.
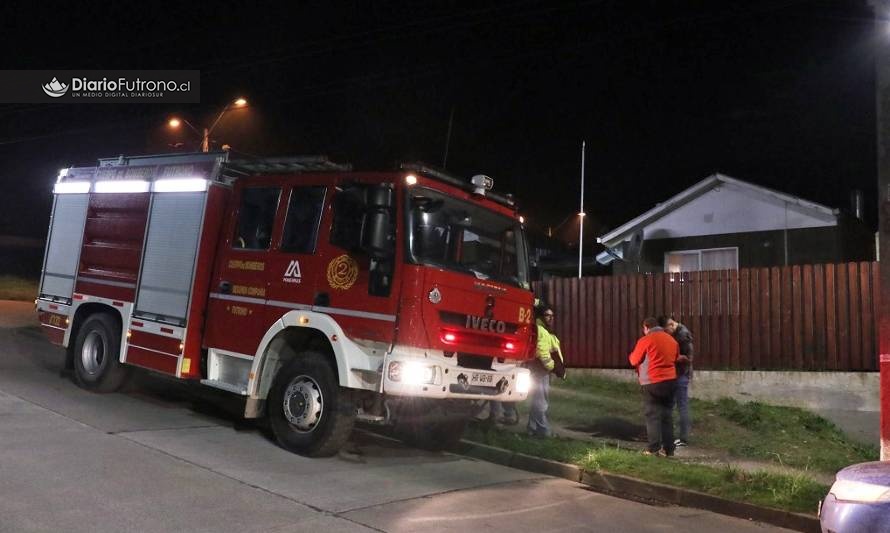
x=292, y=274
x=342, y=272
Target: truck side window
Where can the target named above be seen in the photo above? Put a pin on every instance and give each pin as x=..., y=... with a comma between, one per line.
x=256, y=216
x=303, y=217
x=348, y=207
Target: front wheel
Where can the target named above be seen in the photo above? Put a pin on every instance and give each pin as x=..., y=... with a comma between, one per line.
x=97, y=349
x=309, y=412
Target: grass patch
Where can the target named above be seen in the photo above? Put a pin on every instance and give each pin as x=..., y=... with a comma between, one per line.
x=796, y=493
x=17, y=288
x=783, y=435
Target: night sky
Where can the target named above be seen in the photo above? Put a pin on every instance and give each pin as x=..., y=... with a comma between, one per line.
x=779, y=93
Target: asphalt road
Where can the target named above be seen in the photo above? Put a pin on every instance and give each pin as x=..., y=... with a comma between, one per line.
x=165, y=457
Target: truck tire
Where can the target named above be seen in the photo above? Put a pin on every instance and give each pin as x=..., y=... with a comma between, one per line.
x=309, y=412
x=429, y=425
x=97, y=349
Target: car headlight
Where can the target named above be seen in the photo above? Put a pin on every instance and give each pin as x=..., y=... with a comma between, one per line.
x=859, y=491
x=523, y=382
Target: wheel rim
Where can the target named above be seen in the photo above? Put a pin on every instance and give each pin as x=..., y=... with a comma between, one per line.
x=92, y=355
x=303, y=403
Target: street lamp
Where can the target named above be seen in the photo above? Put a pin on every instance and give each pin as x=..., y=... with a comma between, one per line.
x=175, y=122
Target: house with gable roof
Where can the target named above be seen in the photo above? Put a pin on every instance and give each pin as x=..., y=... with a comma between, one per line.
x=727, y=223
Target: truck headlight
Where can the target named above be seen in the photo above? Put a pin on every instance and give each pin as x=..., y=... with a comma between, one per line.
x=412, y=373
x=523, y=382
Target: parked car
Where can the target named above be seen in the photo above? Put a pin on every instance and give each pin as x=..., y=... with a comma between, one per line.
x=859, y=500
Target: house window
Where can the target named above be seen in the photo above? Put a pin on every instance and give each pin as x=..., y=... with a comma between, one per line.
x=698, y=260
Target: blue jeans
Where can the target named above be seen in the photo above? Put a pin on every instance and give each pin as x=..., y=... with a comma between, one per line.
x=503, y=410
x=681, y=399
x=539, y=398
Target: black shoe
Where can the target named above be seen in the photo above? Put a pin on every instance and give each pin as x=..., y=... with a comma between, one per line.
x=679, y=443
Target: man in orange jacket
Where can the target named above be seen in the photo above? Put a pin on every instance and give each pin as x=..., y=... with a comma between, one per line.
x=654, y=358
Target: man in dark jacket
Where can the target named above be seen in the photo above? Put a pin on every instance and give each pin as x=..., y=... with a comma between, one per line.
x=684, y=374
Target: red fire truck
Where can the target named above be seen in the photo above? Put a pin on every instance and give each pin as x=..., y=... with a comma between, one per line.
x=320, y=294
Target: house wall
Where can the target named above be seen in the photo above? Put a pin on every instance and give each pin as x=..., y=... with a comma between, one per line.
x=732, y=209
x=846, y=242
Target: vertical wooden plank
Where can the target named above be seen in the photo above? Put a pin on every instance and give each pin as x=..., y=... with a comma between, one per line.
x=831, y=325
x=718, y=295
x=658, y=298
x=855, y=315
x=715, y=285
x=876, y=306
x=608, y=328
x=775, y=315
x=725, y=317
x=695, y=318
x=744, y=320
x=650, y=296
x=820, y=359
x=734, y=318
x=599, y=359
x=624, y=311
x=589, y=294
x=633, y=299
x=756, y=324
x=869, y=353
x=703, y=323
x=765, y=323
x=797, y=318
x=617, y=342
x=577, y=329
x=843, y=318
x=809, y=333
x=787, y=320
x=668, y=306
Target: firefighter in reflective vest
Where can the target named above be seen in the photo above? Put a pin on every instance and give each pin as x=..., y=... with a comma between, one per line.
x=549, y=360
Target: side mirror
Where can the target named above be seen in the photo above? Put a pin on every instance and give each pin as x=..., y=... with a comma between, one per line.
x=377, y=237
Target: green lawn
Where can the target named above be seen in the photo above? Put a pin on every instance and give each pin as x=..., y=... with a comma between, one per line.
x=612, y=411
x=796, y=493
x=16, y=288
x=783, y=435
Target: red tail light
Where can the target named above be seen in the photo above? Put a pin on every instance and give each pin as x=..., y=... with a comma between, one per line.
x=448, y=337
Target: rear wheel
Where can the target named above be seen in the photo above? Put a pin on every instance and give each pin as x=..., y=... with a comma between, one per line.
x=97, y=349
x=430, y=424
x=309, y=412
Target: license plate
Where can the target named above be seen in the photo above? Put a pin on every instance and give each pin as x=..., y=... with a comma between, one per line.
x=485, y=380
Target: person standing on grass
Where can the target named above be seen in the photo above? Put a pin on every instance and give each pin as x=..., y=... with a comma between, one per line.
x=683, y=337
x=549, y=359
x=654, y=358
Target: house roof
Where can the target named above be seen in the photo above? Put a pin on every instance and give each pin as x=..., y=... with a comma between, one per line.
x=626, y=230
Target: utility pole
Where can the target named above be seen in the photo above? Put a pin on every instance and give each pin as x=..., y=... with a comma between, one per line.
x=581, y=213
x=448, y=139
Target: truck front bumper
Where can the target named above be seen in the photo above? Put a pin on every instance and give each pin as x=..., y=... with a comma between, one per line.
x=441, y=377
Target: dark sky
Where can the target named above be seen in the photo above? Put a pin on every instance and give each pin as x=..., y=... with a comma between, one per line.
x=780, y=93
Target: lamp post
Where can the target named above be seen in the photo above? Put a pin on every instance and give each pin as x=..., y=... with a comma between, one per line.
x=581, y=213
x=175, y=122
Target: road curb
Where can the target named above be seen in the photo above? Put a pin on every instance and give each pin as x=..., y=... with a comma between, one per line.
x=633, y=488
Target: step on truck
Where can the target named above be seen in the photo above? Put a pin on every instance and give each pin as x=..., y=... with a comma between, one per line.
x=320, y=294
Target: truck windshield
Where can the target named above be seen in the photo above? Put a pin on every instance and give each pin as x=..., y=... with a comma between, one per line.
x=465, y=237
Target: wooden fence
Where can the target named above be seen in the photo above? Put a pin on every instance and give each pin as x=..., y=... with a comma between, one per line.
x=806, y=317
